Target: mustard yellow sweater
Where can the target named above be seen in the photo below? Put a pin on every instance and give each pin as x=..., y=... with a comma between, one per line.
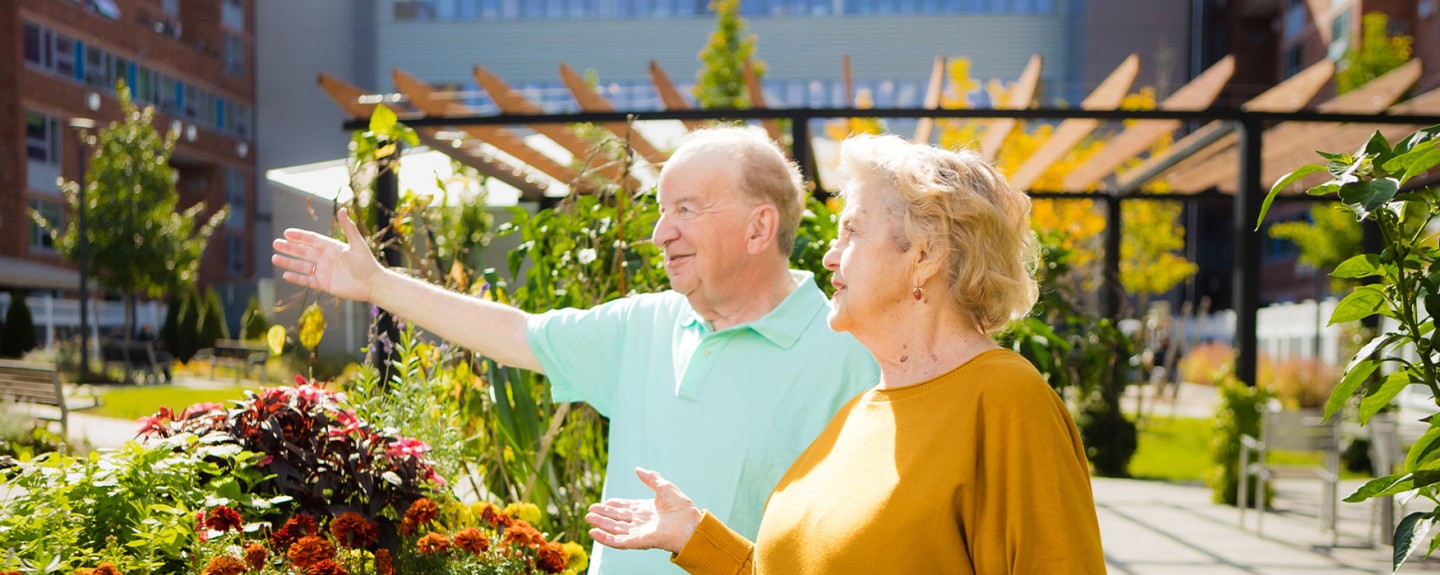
x=979, y=470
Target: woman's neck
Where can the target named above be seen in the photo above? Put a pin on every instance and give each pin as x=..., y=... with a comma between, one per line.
x=925, y=347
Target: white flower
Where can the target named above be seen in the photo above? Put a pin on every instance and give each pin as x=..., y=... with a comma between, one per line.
x=585, y=256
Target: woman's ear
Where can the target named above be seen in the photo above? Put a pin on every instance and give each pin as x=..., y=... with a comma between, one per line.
x=925, y=263
x=762, y=229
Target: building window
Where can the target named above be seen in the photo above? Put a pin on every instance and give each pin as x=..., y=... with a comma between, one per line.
x=171, y=8
x=234, y=55
x=235, y=255
x=232, y=15
x=40, y=236
x=241, y=120
x=42, y=138
x=235, y=197
x=1292, y=60
x=1339, y=36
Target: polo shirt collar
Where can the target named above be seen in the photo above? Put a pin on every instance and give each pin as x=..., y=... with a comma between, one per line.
x=784, y=324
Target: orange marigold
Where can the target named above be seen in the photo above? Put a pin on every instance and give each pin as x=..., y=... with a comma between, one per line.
x=522, y=534
x=382, y=563
x=310, y=550
x=433, y=544
x=107, y=569
x=551, y=557
x=355, y=531
x=255, y=555
x=224, y=565
x=472, y=540
x=422, y=511
x=326, y=567
x=496, y=517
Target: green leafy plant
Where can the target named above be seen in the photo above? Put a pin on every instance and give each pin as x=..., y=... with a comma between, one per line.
x=253, y=324
x=133, y=507
x=1237, y=414
x=721, y=80
x=1372, y=184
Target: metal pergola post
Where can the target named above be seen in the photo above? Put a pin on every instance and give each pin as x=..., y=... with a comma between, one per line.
x=1248, y=195
x=387, y=200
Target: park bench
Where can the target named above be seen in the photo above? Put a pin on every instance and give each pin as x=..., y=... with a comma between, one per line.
x=240, y=353
x=35, y=383
x=141, y=356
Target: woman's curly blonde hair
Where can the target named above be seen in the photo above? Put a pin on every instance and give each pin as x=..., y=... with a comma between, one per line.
x=960, y=206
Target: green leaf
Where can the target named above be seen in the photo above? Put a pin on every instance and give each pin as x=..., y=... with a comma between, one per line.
x=1381, y=396
x=1283, y=183
x=1349, y=385
x=382, y=120
x=1409, y=535
x=1360, y=266
x=1367, y=196
x=1378, y=148
x=1415, y=163
x=1417, y=139
x=1364, y=302
x=1392, y=484
x=1422, y=448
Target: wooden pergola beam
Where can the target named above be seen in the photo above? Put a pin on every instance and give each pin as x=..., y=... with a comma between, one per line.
x=511, y=102
x=1197, y=94
x=1107, y=95
x=757, y=101
x=1221, y=170
x=1287, y=96
x=925, y=126
x=591, y=101
x=669, y=95
x=1022, y=95
x=422, y=96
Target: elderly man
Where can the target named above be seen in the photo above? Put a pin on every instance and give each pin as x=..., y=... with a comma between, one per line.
x=719, y=383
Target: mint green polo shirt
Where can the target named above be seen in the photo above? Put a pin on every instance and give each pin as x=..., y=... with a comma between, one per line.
x=722, y=414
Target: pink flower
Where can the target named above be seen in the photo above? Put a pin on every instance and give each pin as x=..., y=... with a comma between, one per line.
x=156, y=423
x=299, y=379
x=406, y=446
x=200, y=409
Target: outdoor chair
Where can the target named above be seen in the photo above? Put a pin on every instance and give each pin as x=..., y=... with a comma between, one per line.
x=1291, y=431
x=1387, y=454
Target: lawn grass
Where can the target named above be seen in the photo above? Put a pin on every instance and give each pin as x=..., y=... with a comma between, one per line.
x=134, y=402
x=1178, y=450
x=1173, y=449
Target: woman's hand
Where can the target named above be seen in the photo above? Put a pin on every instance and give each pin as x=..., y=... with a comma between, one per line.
x=346, y=270
x=667, y=522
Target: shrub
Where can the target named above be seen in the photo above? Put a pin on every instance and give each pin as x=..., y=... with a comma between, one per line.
x=1206, y=363
x=213, y=326
x=1110, y=438
x=253, y=324
x=1299, y=383
x=1238, y=413
x=17, y=335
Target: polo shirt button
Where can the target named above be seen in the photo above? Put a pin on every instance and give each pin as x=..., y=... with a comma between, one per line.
x=705, y=351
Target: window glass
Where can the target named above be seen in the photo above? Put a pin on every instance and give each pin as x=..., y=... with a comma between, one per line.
x=39, y=236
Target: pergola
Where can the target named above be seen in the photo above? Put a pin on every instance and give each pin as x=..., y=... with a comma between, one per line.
x=1232, y=154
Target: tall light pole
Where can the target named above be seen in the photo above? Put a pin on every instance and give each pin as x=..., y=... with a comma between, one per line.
x=83, y=127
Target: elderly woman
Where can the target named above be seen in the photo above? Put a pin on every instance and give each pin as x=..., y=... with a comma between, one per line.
x=961, y=459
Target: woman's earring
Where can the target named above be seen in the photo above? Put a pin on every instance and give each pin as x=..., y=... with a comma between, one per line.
x=917, y=292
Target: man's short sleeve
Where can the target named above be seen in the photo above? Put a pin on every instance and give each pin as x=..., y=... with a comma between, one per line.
x=580, y=351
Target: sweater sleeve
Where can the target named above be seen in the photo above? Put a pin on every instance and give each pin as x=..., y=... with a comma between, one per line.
x=1036, y=513
x=716, y=550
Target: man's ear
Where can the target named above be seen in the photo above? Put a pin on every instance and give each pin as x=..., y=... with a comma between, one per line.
x=761, y=229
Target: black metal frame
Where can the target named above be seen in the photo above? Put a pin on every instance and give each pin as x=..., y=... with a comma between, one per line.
x=1246, y=201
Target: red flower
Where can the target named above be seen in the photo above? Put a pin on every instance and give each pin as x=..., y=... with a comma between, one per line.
x=496, y=517
x=224, y=565
x=551, y=558
x=299, y=379
x=297, y=527
x=106, y=569
x=201, y=409
x=156, y=423
x=326, y=567
x=432, y=544
x=406, y=446
x=354, y=531
x=472, y=540
x=310, y=550
x=382, y=563
x=223, y=518
x=255, y=555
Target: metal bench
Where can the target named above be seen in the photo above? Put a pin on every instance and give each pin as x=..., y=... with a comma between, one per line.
x=242, y=354
x=34, y=383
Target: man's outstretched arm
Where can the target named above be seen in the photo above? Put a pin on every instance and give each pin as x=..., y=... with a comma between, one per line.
x=350, y=271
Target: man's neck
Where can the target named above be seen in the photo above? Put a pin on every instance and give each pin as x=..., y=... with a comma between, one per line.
x=747, y=303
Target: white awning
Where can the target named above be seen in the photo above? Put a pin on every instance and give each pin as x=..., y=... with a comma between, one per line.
x=15, y=272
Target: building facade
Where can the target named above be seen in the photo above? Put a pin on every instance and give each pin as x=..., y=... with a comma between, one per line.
x=193, y=61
